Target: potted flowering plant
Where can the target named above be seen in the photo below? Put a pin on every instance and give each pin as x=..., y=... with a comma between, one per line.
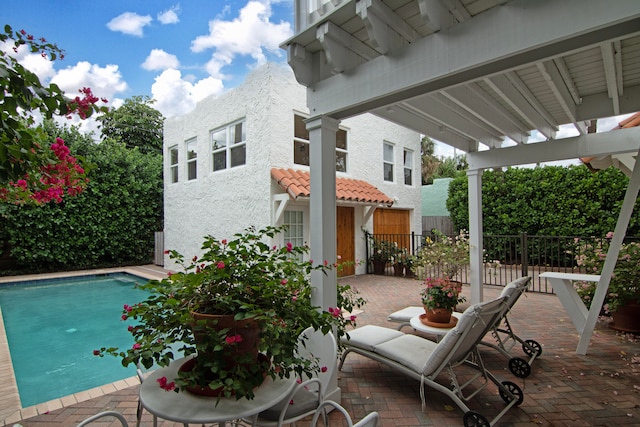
x=623, y=296
x=440, y=297
x=382, y=252
x=266, y=292
x=443, y=256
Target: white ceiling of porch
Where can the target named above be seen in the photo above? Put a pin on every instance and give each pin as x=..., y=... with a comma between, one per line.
x=470, y=72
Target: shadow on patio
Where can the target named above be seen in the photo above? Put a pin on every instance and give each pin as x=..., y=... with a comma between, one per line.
x=564, y=389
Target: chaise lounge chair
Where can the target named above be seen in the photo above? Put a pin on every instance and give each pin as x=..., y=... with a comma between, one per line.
x=424, y=360
x=502, y=332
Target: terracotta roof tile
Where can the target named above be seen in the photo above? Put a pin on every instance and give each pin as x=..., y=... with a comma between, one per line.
x=296, y=184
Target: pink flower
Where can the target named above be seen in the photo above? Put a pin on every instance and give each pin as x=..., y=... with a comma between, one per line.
x=323, y=369
x=136, y=346
x=233, y=339
x=294, y=298
x=124, y=317
x=96, y=352
x=127, y=308
x=289, y=246
x=224, y=241
x=165, y=385
x=129, y=328
x=220, y=264
x=352, y=318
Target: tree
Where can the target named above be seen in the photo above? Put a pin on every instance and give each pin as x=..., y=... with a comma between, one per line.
x=429, y=160
x=136, y=124
x=33, y=169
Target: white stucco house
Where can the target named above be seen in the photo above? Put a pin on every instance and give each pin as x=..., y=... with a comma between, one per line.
x=242, y=159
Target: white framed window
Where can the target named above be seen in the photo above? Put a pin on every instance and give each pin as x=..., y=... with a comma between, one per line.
x=301, y=145
x=294, y=234
x=229, y=146
x=173, y=164
x=387, y=161
x=408, y=167
x=192, y=159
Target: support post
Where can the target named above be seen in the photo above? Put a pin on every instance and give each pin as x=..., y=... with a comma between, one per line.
x=475, y=234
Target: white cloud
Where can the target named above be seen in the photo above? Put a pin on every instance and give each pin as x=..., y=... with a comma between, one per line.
x=251, y=33
x=176, y=95
x=158, y=59
x=170, y=16
x=129, y=23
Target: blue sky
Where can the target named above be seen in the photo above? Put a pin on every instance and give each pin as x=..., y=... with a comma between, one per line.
x=176, y=52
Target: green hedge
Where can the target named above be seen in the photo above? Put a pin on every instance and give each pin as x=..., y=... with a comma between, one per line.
x=546, y=201
x=111, y=223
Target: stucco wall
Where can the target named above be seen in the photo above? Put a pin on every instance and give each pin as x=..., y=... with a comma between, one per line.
x=225, y=202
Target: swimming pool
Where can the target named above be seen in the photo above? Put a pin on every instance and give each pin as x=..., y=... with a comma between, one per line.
x=54, y=325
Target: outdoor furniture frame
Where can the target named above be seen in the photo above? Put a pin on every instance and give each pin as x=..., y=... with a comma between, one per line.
x=425, y=360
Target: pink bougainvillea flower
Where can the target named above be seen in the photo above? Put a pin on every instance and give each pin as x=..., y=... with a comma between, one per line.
x=136, y=346
x=323, y=369
x=352, y=318
x=127, y=308
x=129, y=328
x=96, y=352
x=165, y=385
x=283, y=281
x=232, y=339
x=289, y=247
x=294, y=298
x=224, y=241
x=220, y=265
x=124, y=317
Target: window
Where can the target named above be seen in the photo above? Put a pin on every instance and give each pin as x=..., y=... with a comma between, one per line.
x=192, y=159
x=294, y=233
x=173, y=163
x=229, y=146
x=301, y=145
x=408, y=167
x=387, y=161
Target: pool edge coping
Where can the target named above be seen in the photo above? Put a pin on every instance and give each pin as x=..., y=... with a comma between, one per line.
x=11, y=415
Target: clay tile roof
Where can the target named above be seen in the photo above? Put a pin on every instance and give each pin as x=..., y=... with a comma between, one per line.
x=296, y=184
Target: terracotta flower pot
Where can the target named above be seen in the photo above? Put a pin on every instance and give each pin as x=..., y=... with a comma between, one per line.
x=438, y=315
x=626, y=318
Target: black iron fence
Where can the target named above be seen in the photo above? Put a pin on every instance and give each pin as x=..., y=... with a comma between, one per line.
x=507, y=257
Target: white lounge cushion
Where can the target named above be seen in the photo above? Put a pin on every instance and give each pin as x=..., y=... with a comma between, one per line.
x=369, y=337
x=405, y=314
x=409, y=350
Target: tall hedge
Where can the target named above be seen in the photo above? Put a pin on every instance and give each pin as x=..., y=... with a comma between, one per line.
x=111, y=223
x=546, y=201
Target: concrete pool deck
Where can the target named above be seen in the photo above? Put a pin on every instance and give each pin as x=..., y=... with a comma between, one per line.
x=11, y=410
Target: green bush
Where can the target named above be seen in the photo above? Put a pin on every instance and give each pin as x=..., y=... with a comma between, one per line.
x=545, y=201
x=111, y=223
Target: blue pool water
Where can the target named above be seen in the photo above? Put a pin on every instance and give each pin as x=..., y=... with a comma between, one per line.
x=53, y=326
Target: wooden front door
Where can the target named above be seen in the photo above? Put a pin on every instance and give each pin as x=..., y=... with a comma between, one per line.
x=345, y=224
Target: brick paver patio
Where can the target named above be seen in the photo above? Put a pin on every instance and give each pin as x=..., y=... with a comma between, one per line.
x=564, y=389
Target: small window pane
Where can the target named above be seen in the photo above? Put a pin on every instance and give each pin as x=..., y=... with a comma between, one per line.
x=220, y=160
x=219, y=139
x=341, y=161
x=174, y=155
x=174, y=174
x=341, y=139
x=237, y=133
x=238, y=155
x=193, y=171
x=388, y=172
x=300, y=128
x=408, y=180
x=388, y=153
x=301, y=153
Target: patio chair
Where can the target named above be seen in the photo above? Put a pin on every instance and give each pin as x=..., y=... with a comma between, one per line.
x=504, y=336
x=424, y=360
x=370, y=420
x=308, y=394
x=114, y=414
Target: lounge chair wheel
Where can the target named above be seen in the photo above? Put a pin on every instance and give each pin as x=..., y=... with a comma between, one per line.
x=532, y=346
x=519, y=367
x=514, y=390
x=474, y=419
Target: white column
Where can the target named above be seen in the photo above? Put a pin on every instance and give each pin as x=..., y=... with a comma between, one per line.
x=474, y=178
x=322, y=167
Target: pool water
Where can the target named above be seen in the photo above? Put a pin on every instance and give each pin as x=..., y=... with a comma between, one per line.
x=53, y=326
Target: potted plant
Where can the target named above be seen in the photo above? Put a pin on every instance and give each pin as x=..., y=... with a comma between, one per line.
x=382, y=252
x=623, y=296
x=266, y=292
x=399, y=259
x=443, y=256
x=440, y=297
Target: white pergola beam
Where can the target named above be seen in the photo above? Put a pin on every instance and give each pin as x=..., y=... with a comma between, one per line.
x=554, y=80
x=609, y=63
x=434, y=15
x=342, y=49
x=589, y=145
x=387, y=31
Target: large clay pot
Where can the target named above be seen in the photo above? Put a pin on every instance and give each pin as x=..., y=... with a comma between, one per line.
x=438, y=315
x=626, y=318
x=379, y=267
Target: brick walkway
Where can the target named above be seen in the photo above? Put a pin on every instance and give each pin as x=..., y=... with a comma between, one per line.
x=564, y=389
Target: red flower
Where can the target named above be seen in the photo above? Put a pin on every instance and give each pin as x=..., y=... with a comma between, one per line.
x=166, y=385
x=96, y=352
